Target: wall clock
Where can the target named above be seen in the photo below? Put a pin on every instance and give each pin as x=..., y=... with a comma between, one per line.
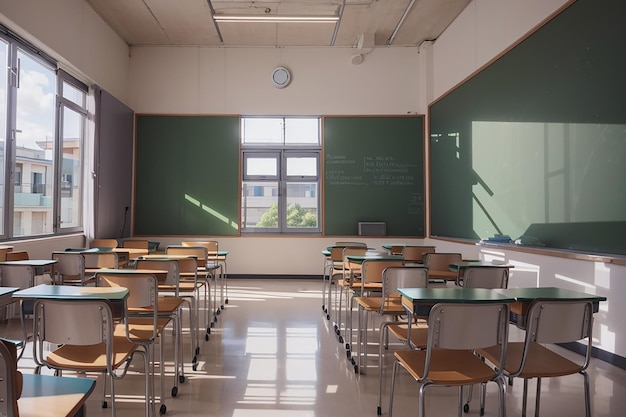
x=281, y=77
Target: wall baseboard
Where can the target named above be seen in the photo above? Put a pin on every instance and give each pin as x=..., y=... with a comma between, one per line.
x=273, y=276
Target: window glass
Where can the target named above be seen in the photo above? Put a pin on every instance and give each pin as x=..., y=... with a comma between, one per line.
x=34, y=146
x=301, y=166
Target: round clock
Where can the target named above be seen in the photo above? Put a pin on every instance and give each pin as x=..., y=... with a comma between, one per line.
x=281, y=77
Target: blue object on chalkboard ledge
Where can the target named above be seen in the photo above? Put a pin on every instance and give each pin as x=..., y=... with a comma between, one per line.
x=499, y=239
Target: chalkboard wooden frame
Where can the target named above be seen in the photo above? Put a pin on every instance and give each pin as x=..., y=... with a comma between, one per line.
x=564, y=75
x=374, y=172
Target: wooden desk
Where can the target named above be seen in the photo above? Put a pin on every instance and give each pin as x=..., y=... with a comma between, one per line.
x=525, y=296
x=53, y=396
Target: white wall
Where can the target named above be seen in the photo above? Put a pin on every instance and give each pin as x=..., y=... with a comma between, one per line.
x=195, y=80
x=73, y=34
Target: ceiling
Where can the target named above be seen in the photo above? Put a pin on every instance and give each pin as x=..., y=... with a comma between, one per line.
x=362, y=23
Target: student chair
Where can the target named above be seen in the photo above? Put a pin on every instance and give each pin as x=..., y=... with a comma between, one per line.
x=455, y=331
x=10, y=380
x=548, y=322
x=19, y=276
x=391, y=308
x=485, y=277
x=170, y=305
x=84, y=330
x=104, y=243
x=415, y=254
x=142, y=324
x=369, y=299
x=70, y=268
x=438, y=264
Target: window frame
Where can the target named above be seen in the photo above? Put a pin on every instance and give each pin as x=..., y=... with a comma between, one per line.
x=281, y=152
x=16, y=46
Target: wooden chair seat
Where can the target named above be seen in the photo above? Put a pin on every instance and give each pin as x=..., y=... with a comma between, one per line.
x=92, y=358
x=393, y=306
x=419, y=334
x=540, y=361
x=445, y=366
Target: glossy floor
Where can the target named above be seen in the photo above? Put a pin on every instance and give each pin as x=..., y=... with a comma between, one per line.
x=273, y=353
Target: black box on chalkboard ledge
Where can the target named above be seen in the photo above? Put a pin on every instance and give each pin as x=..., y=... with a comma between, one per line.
x=372, y=228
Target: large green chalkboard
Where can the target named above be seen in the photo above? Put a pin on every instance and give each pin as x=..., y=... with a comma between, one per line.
x=187, y=175
x=374, y=172
x=534, y=145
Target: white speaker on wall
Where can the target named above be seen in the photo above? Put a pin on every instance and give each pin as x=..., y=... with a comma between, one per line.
x=357, y=59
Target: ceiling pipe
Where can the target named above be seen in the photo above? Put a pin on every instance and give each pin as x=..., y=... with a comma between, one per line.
x=395, y=31
x=217, y=28
x=343, y=5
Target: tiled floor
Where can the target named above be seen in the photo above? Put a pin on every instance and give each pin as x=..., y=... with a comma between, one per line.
x=273, y=353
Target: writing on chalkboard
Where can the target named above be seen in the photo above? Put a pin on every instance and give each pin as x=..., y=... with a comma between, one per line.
x=382, y=170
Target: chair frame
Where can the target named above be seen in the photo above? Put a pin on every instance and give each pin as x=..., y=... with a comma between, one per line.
x=51, y=325
x=394, y=278
x=549, y=322
x=455, y=331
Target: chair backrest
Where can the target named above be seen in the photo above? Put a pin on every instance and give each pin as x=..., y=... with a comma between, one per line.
x=457, y=326
x=101, y=260
x=441, y=261
x=69, y=266
x=415, y=254
x=201, y=253
x=136, y=243
x=161, y=264
x=396, y=249
x=21, y=255
x=486, y=277
x=372, y=270
x=10, y=380
x=104, y=243
x=559, y=321
x=353, y=244
x=143, y=298
x=18, y=276
x=395, y=277
x=350, y=268
x=81, y=322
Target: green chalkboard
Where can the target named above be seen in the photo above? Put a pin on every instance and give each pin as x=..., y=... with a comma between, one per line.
x=187, y=175
x=374, y=172
x=533, y=146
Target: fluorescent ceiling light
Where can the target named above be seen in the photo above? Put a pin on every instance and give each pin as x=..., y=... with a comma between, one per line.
x=261, y=18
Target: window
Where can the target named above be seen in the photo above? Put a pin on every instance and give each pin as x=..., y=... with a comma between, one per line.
x=281, y=163
x=41, y=143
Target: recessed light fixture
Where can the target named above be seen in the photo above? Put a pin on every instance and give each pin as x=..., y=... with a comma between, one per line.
x=264, y=18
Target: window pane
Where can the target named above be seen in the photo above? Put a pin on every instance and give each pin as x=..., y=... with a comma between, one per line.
x=300, y=130
x=302, y=166
x=262, y=130
x=73, y=94
x=4, y=56
x=302, y=205
x=259, y=205
x=262, y=166
x=70, y=184
x=32, y=203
